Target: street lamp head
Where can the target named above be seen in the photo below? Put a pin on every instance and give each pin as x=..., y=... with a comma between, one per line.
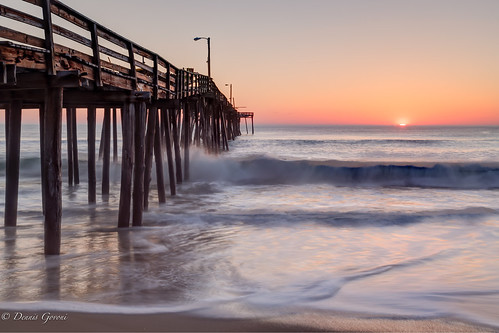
x=197, y=38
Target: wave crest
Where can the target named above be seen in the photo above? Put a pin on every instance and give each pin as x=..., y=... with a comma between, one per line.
x=261, y=170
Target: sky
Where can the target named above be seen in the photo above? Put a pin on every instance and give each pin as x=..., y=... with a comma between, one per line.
x=380, y=62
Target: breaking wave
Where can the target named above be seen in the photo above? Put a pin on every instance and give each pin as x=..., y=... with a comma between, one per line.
x=261, y=170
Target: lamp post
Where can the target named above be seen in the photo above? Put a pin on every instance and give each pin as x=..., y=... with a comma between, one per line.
x=209, y=60
x=230, y=99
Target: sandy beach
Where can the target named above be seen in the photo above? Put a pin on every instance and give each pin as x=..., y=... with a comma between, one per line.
x=51, y=321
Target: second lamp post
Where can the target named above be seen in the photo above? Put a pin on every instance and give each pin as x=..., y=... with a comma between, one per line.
x=209, y=61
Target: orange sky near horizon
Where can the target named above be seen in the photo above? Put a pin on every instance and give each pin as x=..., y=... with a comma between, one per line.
x=383, y=62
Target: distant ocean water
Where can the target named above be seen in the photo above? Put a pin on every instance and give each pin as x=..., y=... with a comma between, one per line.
x=382, y=220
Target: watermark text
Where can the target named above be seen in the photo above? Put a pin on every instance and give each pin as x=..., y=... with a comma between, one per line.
x=43, y=318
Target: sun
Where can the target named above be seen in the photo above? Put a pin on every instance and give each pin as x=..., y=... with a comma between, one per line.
x=402, y=124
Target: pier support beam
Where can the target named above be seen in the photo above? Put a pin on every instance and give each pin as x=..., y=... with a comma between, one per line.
x=151, y=130
x=187, y=141
x=13, y=124
x=127, y=121
x=115, y=137
x=76, y=166
x=165, y=117
x=176, y=144
x=52, y=169
x=41, y=115
x=69, y=141
x=138, y=171
x=158, y=158
x=91, y=154
x=106, y=127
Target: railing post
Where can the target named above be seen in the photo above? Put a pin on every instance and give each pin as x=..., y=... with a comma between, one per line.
x=168, y=79
x=49, y=37
x=131, y=60
x=96, y=53
x=178, y=86
x=155, y=78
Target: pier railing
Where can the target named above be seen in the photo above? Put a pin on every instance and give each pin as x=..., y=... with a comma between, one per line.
x=100, y=55
x=79, y=63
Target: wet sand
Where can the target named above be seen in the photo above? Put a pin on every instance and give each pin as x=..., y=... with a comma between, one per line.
x=41, y=321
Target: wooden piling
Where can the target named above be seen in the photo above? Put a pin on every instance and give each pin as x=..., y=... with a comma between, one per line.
x=76, y=162
x=187, y=143
x=127, y=121
x=41, y=115
x=149, y=150
x=101, y=143
x=165, y=117
x=106, y=126
x=158, y=158
x=7, y=121
x=225, y=142
x=176, y=144
x=115, y=137
x=52, y=169
x=69, y=142
x=12, y=163
x=138, y=171
x=197, y=123
x=92, y=183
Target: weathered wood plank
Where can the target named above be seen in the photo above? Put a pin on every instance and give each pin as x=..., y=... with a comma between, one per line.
x=111, y=36
x=71, y=35
x=115, y=67
x=113, y=53
x=16, y=15
x=21, y=37
x=70, y=15
x=116, y=81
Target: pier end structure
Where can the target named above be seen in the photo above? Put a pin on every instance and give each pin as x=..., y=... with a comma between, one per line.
x=164, y=110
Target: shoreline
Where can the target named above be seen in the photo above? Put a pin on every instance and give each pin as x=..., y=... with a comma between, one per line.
x=57, y=321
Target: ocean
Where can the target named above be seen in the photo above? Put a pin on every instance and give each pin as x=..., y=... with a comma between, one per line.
x=378, y=220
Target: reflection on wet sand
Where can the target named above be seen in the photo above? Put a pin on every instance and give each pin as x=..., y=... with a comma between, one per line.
x=51, y=289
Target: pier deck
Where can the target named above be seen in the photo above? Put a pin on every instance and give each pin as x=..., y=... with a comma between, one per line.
x=81, y=64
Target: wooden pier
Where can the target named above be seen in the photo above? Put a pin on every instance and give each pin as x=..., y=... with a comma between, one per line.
x=247, y=115
x=164, y=110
